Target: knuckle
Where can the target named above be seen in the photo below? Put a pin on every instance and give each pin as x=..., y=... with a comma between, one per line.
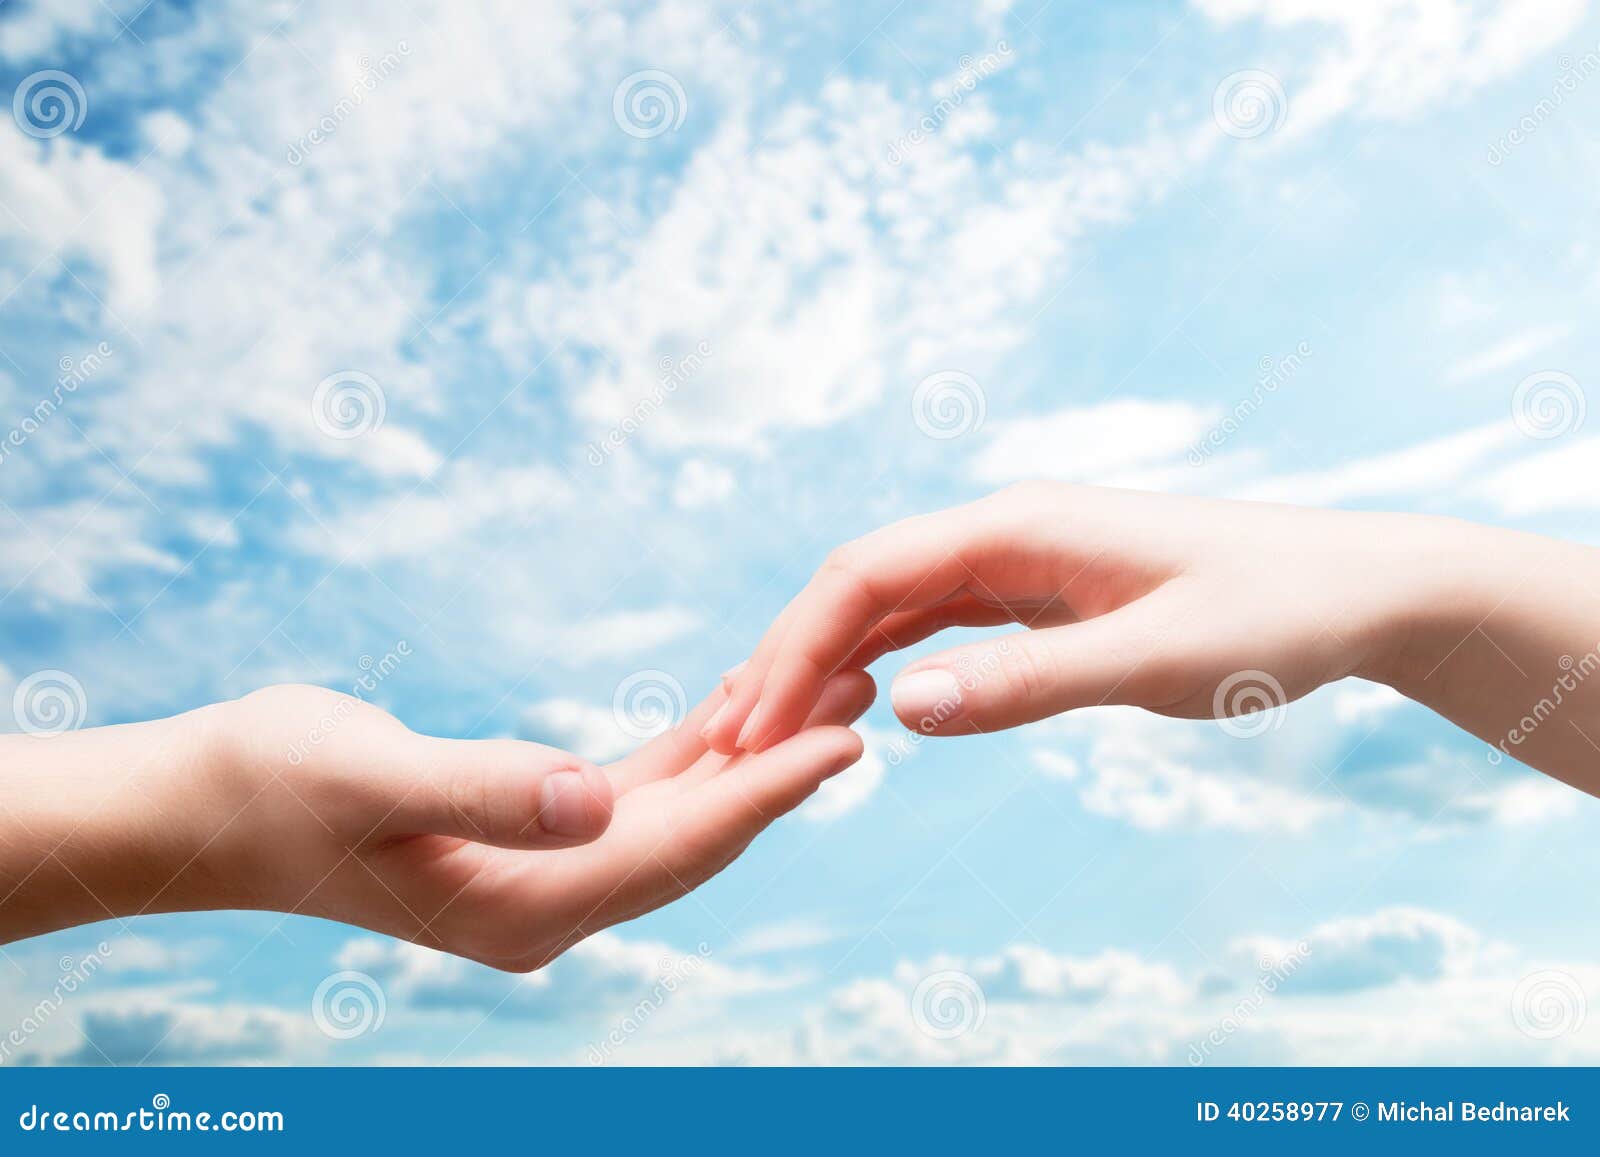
x=842, y=557
x=1027, y=492
x=1028, y=671
x=467, y=795
x=846, y=566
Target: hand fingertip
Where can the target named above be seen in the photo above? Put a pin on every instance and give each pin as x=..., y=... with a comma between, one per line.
x=855, y=748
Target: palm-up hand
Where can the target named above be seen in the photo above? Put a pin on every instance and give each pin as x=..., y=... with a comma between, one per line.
x=403, y=829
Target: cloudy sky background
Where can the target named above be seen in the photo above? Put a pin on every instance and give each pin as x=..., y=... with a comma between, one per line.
x=1078, y=225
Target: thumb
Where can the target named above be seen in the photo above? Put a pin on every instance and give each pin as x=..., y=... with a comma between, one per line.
x=1031, y=675
x=501, y=791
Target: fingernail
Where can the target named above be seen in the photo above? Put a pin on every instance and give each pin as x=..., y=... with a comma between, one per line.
x=845, y=763
x=751, y=730
x=932, y=696
x=732, y=672
x=716, y=718
x=564, y=805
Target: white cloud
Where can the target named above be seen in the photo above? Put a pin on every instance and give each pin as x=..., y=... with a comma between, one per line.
x=702, y=483
x=1431, y=466
x=59, y=552
x=1560, y=478
x=621, y=634
x=785, y=936
x=603, y=973
x=66, y=199
x=464, y=499
x=1442, y=788
x=1351, y=953
x=1510, y=352
x=853, y=787
x=154, y=1032
x=34, y=28
x=1151, y=772
x=1395, y=986
x=1092, y=443
x=1363, y=702
x=1391, y=60
x=588, y=730
x=811, y=266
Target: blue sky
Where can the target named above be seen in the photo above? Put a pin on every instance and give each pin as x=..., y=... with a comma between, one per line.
x=856, y=262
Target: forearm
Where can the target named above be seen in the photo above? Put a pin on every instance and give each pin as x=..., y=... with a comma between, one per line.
x=103, y=823
x=1501, y=635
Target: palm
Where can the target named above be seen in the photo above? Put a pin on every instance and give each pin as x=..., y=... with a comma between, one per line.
x=682, y=813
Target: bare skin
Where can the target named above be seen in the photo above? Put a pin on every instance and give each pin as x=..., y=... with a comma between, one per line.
x=498, y=850
x=1173, y=603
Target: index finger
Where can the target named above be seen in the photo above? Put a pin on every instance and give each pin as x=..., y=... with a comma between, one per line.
x=908, y=565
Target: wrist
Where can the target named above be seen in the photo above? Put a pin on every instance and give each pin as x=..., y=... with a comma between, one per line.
x=105, y=824
x=1437, y=586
